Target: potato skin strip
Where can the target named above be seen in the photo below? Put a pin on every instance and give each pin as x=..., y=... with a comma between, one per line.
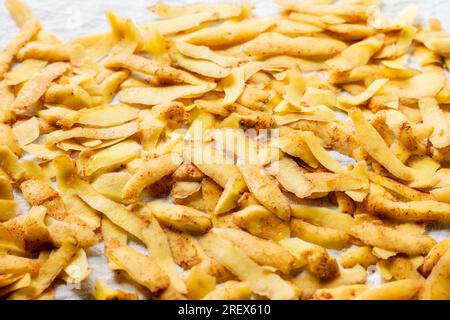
x=437, y=284
x=323, y=236
x=324, y=217
x=333, y=135
x=420, y=210
x=187, y=21
x=146, y=66
x=202, y=67
x=27, y=31
x=45, y=51
x=365, y=95
x=185, y=250
x=434, y=116
x=357, y=12
x=161, y=95
x=231, y=290
x=321, y=154
x=264, y=189
x=103, y=292
x=327, y=182
x=377, y=148
x=181, y=218
x=271, y=44
x=288, y=27
x=6, y=99
x=263, y=252
x=24, y=71
x=18, y=265
x=69, y=95
x=204, y=53
x=19, y=11
x=27, y=131
x=233, y=86
x=112, y=157
x=356, y=55
x=49, y=271
x=291, y=177
x=122, y=131
x=227, y=35
x=38, y=192
x=60, y=230
x=398, y=187
x=387, y=238
x=151, y=171
x=35, y=88
x=143, y=269
x=397, y=290
x=413, y=88
x=262, y=282
x=158, y=246
x=107, y=116
x=115, y=212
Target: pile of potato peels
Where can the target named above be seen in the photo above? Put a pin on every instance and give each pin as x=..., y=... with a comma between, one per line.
x=212, y=137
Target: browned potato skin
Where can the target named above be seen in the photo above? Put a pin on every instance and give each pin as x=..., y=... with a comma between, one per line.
x=60, y=230
x=38, y=192
x=161, y=188
x=252, y=118
x=188, y=172
x=215, y=269
x=322, y=264
x=333, y=135
x=27, y=31
x=184, y=251
x=345, y=203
